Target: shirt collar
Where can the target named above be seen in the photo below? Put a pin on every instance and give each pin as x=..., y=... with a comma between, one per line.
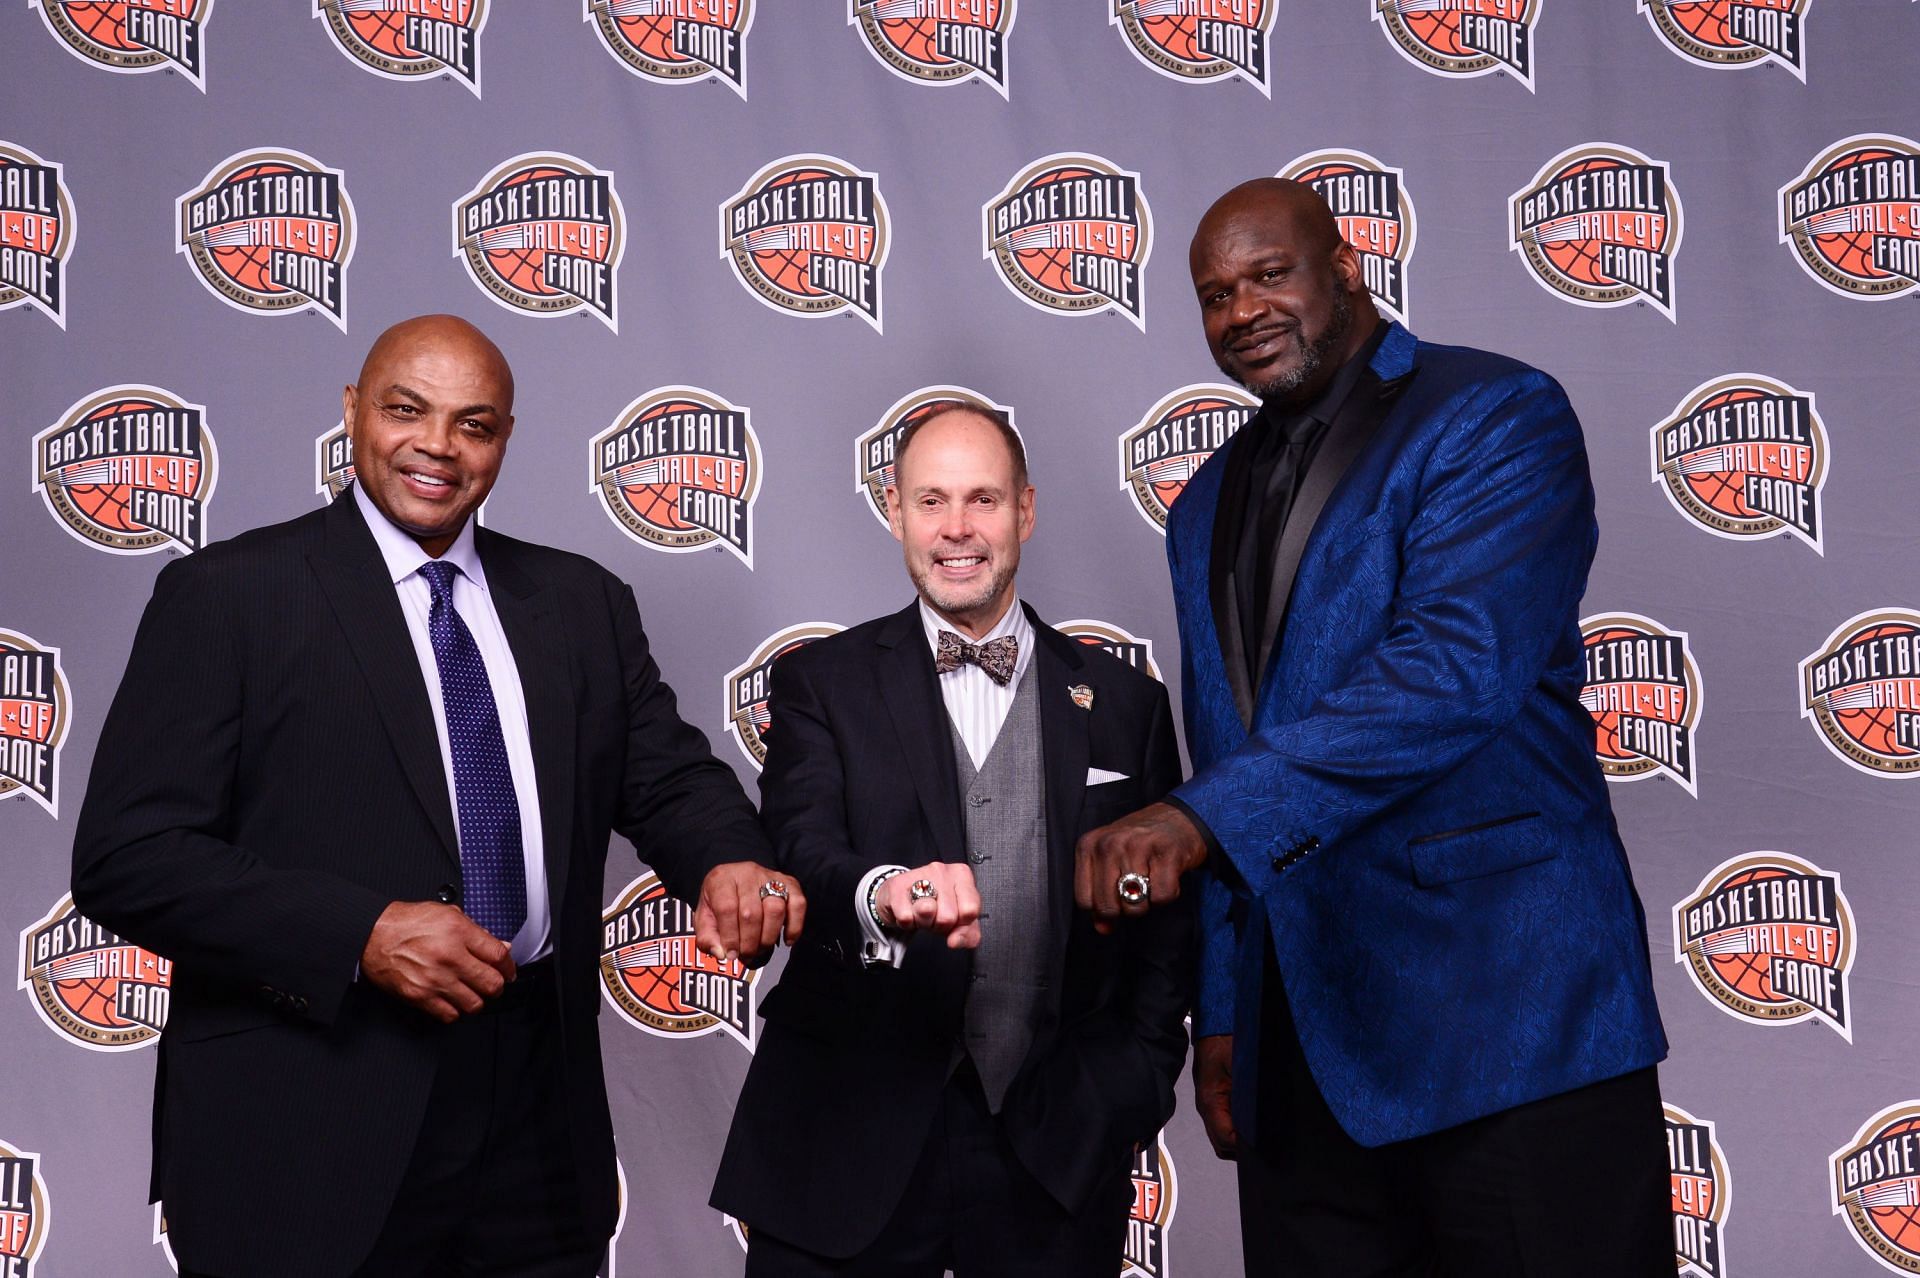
x=1012, y=622
x=403, y=554
x=1324, y=405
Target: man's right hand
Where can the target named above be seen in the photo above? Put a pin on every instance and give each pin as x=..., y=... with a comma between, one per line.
x=953, y=910
x=436, y=958
x=1213, y=1091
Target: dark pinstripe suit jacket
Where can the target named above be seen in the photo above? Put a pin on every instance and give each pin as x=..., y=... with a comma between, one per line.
x=269, y=779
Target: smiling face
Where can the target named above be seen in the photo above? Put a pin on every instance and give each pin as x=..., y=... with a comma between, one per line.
x=1279, y=290
x=429, y=421
x=960, y=510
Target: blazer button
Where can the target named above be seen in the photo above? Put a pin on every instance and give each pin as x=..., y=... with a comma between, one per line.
x=447, y=894
x=300, y=1004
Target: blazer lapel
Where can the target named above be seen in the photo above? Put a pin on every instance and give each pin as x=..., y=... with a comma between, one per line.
x=354, y=578
x=1223, y=548
x=1057, y=665
x=539, y=642
x=909, y=689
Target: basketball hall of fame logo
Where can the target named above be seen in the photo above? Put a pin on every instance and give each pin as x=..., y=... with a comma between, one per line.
x=1702, y=1193
x=36, y=709
x=1463, y=38
x=1160, y=454
x=656, y=977
x=1201, y=39
x=676, y=41
x=1370, y=203
x=129, y=470
x=1862, y=691
x=1876, y=1186
x=873, y=452
x=36, y=233
x=133, y=37
x=24, y=1211
x=333, y=461
x=1745, y=457
x=1115, y=641
x=271, y=232
x=808, y=235
x=543, y=235
x=678, y=471
x=1071, y=234
x=409, y=39
x=89, y=985
x=1151, y=1216
x=1732, y=33
x=746, y=687
x=938, y=41
x=1853, y=217
x=1770, y=939
x=1598, y=226
x=1644, y=694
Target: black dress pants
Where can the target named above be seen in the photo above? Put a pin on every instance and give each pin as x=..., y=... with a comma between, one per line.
x=970, y=1206
x=1571, y=1186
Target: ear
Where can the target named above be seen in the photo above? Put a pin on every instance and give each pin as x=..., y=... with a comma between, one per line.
x=894, y=522
x=1347, y=268
x=349, y=400
x=1025, y=523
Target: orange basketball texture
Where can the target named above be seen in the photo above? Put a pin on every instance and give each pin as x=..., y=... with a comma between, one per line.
x=652, y=36
x=1441, y=31
x=1391, y=230
x=1746, y=974
x=1052, y=268
x=659, y=504
x=1724, y=492
x=1851, y=252
x=247, y=264
x=106, y=504
x=525, y=269
x=103, y=24
x=383, y=33
x=1168, y=491
x=1901, y=1225
x=1607, y=722
x=1579, y=260
x=1874, y=726
x=918, y=38
x=786, y=269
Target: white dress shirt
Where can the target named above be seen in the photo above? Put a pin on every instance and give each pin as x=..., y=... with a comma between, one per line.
x=474, y=603
x=977, y=707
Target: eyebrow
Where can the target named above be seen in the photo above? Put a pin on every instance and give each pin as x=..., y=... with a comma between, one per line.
x=407, y=392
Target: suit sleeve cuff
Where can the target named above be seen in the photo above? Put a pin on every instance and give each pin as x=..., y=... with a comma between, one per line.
x=876, y=946
x=1217, y=857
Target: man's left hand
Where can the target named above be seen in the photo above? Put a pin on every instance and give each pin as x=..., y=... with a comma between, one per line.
x=1157, y=842
x=734, y=921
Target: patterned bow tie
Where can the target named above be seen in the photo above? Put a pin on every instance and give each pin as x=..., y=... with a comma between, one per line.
x=996, y=656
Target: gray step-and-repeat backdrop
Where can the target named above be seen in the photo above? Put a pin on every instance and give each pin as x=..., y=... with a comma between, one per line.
x=807, y=219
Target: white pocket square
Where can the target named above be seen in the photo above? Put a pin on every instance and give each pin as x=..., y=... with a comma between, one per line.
x=1100, y=776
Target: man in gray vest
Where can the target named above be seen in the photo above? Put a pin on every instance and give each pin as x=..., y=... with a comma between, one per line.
x=957, y=1066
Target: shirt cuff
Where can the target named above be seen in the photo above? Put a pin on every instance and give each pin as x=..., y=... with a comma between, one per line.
x=876, y=946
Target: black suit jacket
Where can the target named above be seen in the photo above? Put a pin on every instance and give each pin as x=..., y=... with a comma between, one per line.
x=849, y=1072
x=269, y=779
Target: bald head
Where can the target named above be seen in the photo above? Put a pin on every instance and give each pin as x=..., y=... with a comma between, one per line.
x=429, y=420
x=1282, y=297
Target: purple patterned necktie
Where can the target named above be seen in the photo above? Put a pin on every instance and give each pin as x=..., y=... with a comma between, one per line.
x=995, y=656
x=491, y=861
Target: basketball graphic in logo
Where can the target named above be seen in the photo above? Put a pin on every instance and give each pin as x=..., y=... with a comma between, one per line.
x=678, y=471
x=1644, y=694
x=748, y=685
x=1463, y=38
x=1375, y=215
x=658, y=980
x=1598, y=226
x=938, y=41
x=1200, y=39
x=1702, y=1193
x=1151, y=1216
x=676, y=41
x=409, y=39
x=36, y=233
x=1071, y=234
x=25, y=1215
x=1732, y=33
x=1161, y=453
x=1115, y=641
x=129, y=470
x=271, y=232
x=36, y=709
x=1770, y=939
x=1862, y=691
x=873, y=451
x=1853, y=217
x=90, y=986
x=808, y=235
x=543, y=234
x=333, y=462
x=1876, y=1186
x=1745, y=457
x=133, y=37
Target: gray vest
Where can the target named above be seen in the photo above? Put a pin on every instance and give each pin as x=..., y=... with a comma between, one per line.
x=1005, y=807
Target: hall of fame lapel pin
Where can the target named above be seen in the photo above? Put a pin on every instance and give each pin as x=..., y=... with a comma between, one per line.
x=1082, y=696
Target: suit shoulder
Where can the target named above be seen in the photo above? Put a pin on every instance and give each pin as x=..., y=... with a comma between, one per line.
x=1114, y=676
x=853, y=646
x=1467, y=365
x=255, y=550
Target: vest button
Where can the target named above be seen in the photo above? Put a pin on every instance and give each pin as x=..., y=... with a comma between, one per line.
x=978, y=800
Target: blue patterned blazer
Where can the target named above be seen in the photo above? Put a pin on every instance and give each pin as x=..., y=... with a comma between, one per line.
x=1414, y=819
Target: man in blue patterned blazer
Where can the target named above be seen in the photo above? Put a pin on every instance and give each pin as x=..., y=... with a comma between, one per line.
x=1426, y=1027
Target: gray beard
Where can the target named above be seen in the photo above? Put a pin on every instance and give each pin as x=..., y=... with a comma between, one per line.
x=1313, y=356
